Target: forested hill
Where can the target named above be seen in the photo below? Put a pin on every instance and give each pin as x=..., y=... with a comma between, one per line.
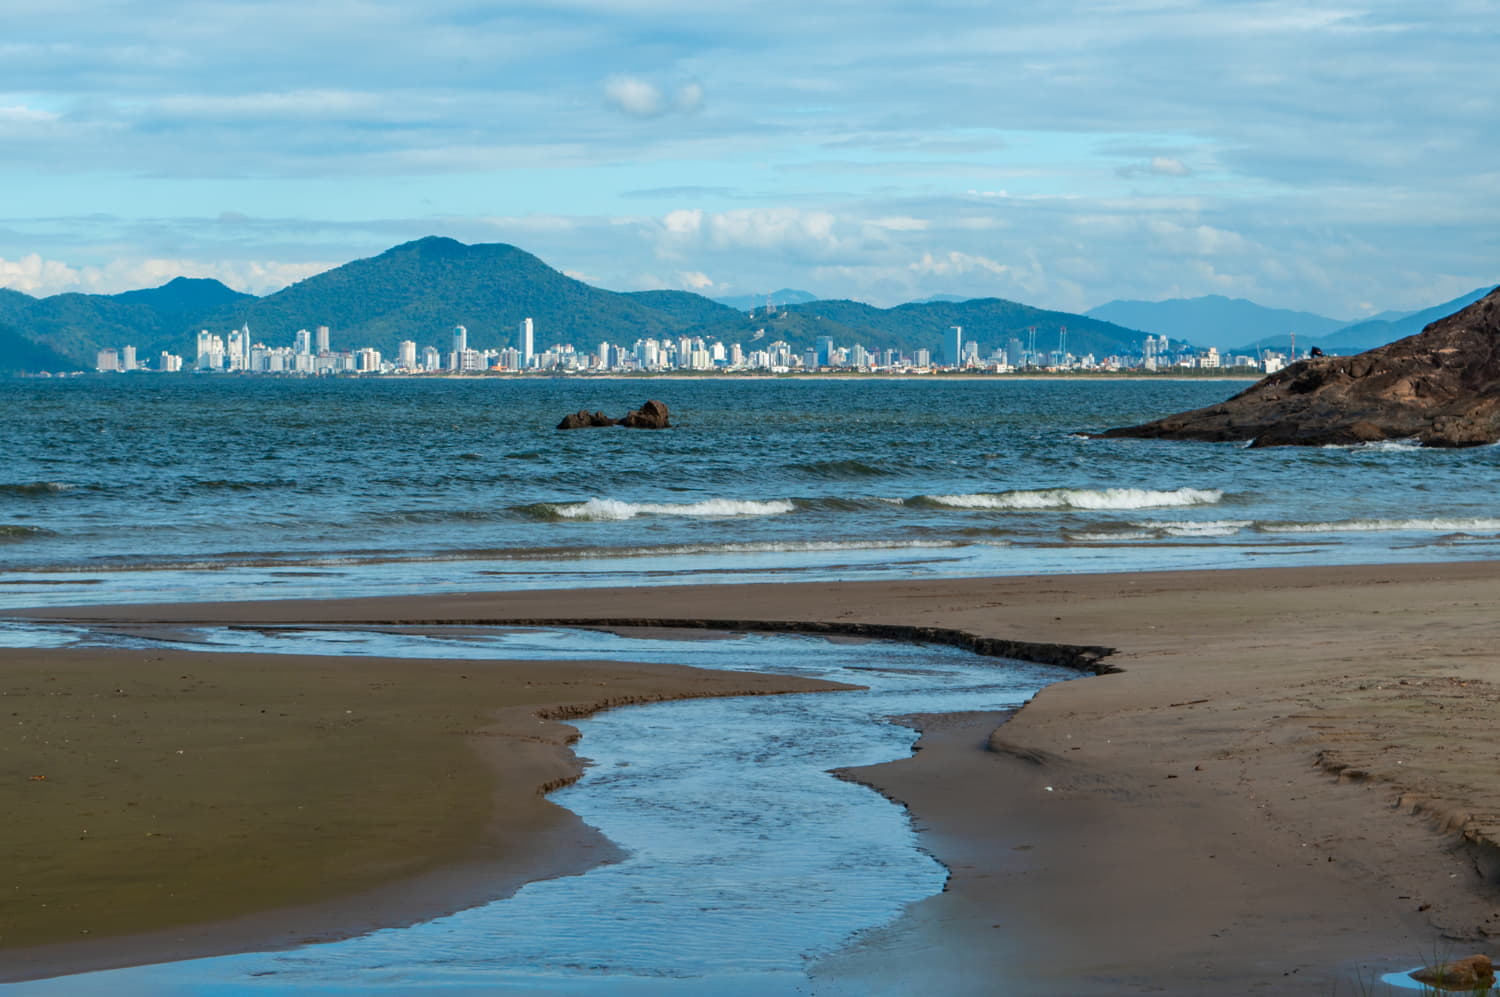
x=420, y=290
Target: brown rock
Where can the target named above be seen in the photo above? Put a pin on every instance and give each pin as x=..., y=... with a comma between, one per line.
x=1472, y=973
x=583, y=419
x=652, y=415
x=1440, y=387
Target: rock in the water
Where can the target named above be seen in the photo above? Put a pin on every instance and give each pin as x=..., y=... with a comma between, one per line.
x=583, y=419
x=1472, y=973
x=1440, y=387
x=652, y=415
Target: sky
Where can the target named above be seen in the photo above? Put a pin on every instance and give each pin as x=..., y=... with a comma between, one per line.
x=1333, y=157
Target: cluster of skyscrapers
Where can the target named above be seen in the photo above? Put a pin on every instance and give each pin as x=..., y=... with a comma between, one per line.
x=311, y=353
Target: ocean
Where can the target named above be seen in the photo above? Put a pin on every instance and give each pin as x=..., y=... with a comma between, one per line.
x=155, y=488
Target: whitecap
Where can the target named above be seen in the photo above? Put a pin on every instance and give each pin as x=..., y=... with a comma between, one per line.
x=1444, y=525
x=1080, y=498
x=605, y=509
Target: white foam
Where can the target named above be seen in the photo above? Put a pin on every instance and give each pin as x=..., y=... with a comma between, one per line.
x=1081, y=498
x=1204, y=528
x=1385, y=526
x=614, y=509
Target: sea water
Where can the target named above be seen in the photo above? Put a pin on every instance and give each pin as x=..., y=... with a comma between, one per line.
x=747, y=858
x=152, y=488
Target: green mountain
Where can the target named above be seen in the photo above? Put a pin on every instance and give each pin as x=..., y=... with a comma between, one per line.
x=420, y=290
x=991, y=322
x=184, y=294
x=21, y=355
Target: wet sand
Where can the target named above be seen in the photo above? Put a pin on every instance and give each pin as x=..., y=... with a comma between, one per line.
x=1292, y=781
x=169, y=804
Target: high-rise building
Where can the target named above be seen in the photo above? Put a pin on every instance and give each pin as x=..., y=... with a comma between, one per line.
x=824, y=351
x=304, y=342
x=107, y=359
x=431, y=359
x=460, y=339
x=322, y=342
x=210, y=351
x=170, y=363
x=525, y=342
x=408, y=354
x=953, y=347
x=127, y=358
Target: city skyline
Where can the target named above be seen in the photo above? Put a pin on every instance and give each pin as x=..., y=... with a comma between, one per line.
x=240, y=352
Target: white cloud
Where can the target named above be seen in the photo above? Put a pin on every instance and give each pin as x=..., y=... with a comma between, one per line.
x=695, y=280
x=634, y=95
x=40, y=277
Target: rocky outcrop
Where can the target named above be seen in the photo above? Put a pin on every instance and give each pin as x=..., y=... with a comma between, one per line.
x=1469, y=974
x=1440, y=387
x=584, y=419
x=652, y=415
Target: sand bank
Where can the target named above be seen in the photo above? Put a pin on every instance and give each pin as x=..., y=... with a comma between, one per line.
x=1292, y=779
x=203, y=803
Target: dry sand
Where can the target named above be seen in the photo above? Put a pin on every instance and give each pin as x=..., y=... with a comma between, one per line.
x=1293, y=779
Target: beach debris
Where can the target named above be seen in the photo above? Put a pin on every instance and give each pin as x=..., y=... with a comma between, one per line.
x=1472, y=973
x=1439, y=388
x=651, y=415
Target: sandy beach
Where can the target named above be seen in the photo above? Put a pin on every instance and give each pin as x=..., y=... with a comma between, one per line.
x=1289, y=782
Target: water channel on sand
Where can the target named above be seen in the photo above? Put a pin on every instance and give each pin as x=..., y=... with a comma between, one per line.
x=747, y=858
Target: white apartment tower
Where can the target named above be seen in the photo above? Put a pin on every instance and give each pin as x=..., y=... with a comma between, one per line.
x=408, y=352
x=526, y=342
x=322, y=343
x=304, y=342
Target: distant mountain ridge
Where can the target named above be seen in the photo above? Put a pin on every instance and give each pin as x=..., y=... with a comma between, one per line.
x=1236, y=325
x=1214, y=320
x=750, y=302
x=419, y=290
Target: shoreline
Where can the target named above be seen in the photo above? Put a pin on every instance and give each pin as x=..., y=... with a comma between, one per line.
x=1290, y=764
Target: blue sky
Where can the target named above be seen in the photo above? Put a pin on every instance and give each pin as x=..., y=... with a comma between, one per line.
x=1335, y=157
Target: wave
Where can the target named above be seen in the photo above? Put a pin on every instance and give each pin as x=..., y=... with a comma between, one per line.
x=612, y=510
x=1198, y=528
x=10, y=532
x=1436, y=525
x=33, y=488
x=1075, y=498
x=836, y=469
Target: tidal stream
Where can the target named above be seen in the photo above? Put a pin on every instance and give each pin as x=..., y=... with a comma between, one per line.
x=747, y=859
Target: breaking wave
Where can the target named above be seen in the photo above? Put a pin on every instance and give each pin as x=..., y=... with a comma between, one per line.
x=1443, y=525
x=1204, y=528
x=609, y=510
x=1076, y=498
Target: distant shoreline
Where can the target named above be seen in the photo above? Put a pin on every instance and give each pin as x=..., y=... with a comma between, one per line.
x=665, y=376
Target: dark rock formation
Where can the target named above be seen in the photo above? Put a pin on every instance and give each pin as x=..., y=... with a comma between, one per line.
x=583, y=419
x=1440, y=387
x=1469, y=974
x=652, y=415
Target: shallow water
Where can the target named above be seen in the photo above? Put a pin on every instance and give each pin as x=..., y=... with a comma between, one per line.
x=747, y=858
